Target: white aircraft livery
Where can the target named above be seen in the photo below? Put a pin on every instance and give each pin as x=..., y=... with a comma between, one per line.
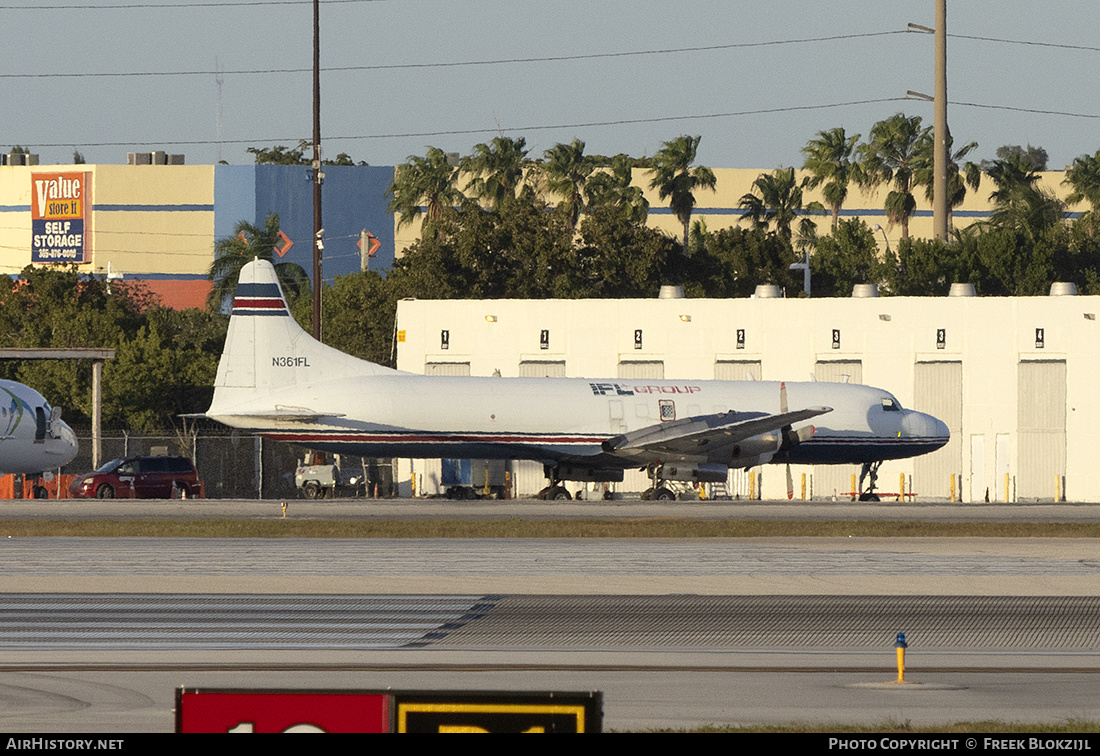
x=33, y=438
x=277, y=381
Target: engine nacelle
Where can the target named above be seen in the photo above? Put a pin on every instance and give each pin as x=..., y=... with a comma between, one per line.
x=754, y=451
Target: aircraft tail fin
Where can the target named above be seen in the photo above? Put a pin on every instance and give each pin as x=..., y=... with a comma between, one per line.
x=265, y=348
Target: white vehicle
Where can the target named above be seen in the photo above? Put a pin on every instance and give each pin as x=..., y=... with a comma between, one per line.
x=275, y=380
x=33, y=438
x=319, y=478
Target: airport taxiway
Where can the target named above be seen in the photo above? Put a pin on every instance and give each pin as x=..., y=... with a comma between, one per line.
x=733, y=630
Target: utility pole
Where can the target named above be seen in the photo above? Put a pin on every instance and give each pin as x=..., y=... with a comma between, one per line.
x=318, y=174
x=939, y=128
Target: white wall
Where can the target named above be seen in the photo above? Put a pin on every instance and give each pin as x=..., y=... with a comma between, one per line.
x=888, y=336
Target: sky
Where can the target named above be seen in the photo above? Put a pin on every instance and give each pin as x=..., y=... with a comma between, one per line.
x=776, y=74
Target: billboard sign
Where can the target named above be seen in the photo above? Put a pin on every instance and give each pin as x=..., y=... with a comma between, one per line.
x=60, y=203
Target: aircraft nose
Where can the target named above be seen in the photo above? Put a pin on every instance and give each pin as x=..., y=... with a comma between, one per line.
x=66, y=443
x=919, y=425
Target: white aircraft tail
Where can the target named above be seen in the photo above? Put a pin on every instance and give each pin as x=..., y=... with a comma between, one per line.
x=265, y=348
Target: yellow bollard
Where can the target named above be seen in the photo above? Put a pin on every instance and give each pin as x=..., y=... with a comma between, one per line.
x=803, y=486
x=752, y=485
x=412, y=485
x=901, y=486
x=1057, y=488
x=900, y=645
x=1006, y=488
x=952, y=488
x=855, y=493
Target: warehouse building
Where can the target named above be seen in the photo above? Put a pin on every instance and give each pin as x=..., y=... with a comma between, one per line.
x=1013, y=378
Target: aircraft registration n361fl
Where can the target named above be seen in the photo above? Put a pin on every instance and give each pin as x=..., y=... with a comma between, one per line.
x=277, y=381
x=33, y=438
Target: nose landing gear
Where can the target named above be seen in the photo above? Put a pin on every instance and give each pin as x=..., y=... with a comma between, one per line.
x=870, y=470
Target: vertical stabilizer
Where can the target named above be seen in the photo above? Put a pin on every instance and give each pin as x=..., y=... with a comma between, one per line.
x=267, y=351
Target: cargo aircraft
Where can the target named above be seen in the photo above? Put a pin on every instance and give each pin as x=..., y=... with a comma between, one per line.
x=277, y=381
x=33, y=438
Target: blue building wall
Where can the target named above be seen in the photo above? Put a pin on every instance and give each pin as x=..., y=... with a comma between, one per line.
x=353, y=198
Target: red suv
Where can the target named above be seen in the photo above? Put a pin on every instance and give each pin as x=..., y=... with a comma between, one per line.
x=140, y=478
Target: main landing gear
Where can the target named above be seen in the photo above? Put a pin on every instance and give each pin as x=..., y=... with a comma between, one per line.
x=555, y=491
x=870, y=469
x=658, y=491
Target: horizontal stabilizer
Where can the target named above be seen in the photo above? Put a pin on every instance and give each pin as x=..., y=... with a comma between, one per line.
x=300, y=414
x=693, y=434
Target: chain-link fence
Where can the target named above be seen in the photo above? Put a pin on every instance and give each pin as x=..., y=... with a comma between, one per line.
x=230, y=465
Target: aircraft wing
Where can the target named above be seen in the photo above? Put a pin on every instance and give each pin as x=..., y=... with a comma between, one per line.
x=698, y=435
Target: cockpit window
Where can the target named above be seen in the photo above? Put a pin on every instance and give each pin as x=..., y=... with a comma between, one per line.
x=890, y=405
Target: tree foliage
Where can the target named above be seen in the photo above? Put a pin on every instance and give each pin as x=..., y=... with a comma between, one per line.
x=890, y=157
x=249, y=242
x=300, y=155
x=829, y=161
x=676, y=178
x=164, y=361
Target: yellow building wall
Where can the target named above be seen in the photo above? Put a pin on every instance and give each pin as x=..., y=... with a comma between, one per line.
x=144, y=219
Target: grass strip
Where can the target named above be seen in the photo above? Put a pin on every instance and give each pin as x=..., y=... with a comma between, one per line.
x=518, y=528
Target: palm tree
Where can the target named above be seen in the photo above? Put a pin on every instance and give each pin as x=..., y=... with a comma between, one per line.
x=1083, y=176
x=1019, y=202
x=888, y=158
x=675, y=179
x=247, y=243
x=614, y=187
x=958, y=178
x=567, y=170
x=829, y=161
x=496, y=169
x=429, y=182
x=777, y=198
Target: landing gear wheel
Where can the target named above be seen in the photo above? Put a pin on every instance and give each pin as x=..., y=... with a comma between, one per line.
x=105, y=492
x=868, y=496
x=560, y=493
x=663, y=494
x=40, y=492
x=312, y=490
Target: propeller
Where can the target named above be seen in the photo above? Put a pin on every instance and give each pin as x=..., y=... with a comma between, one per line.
x=790, y=437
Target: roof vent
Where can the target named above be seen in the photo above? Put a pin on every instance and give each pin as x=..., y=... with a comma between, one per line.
x=768, y=291
x=865, y=290
x=1063, y=289
x=18, y=158
x=157, y=157
x=671, y=292
x=961, y=290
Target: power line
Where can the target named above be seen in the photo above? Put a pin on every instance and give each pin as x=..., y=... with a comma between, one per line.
x=490, y=129
x=454, y=64
x=561, y=126
x=1025, y=42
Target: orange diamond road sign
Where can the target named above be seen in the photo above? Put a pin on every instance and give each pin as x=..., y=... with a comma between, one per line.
x=286, y=244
